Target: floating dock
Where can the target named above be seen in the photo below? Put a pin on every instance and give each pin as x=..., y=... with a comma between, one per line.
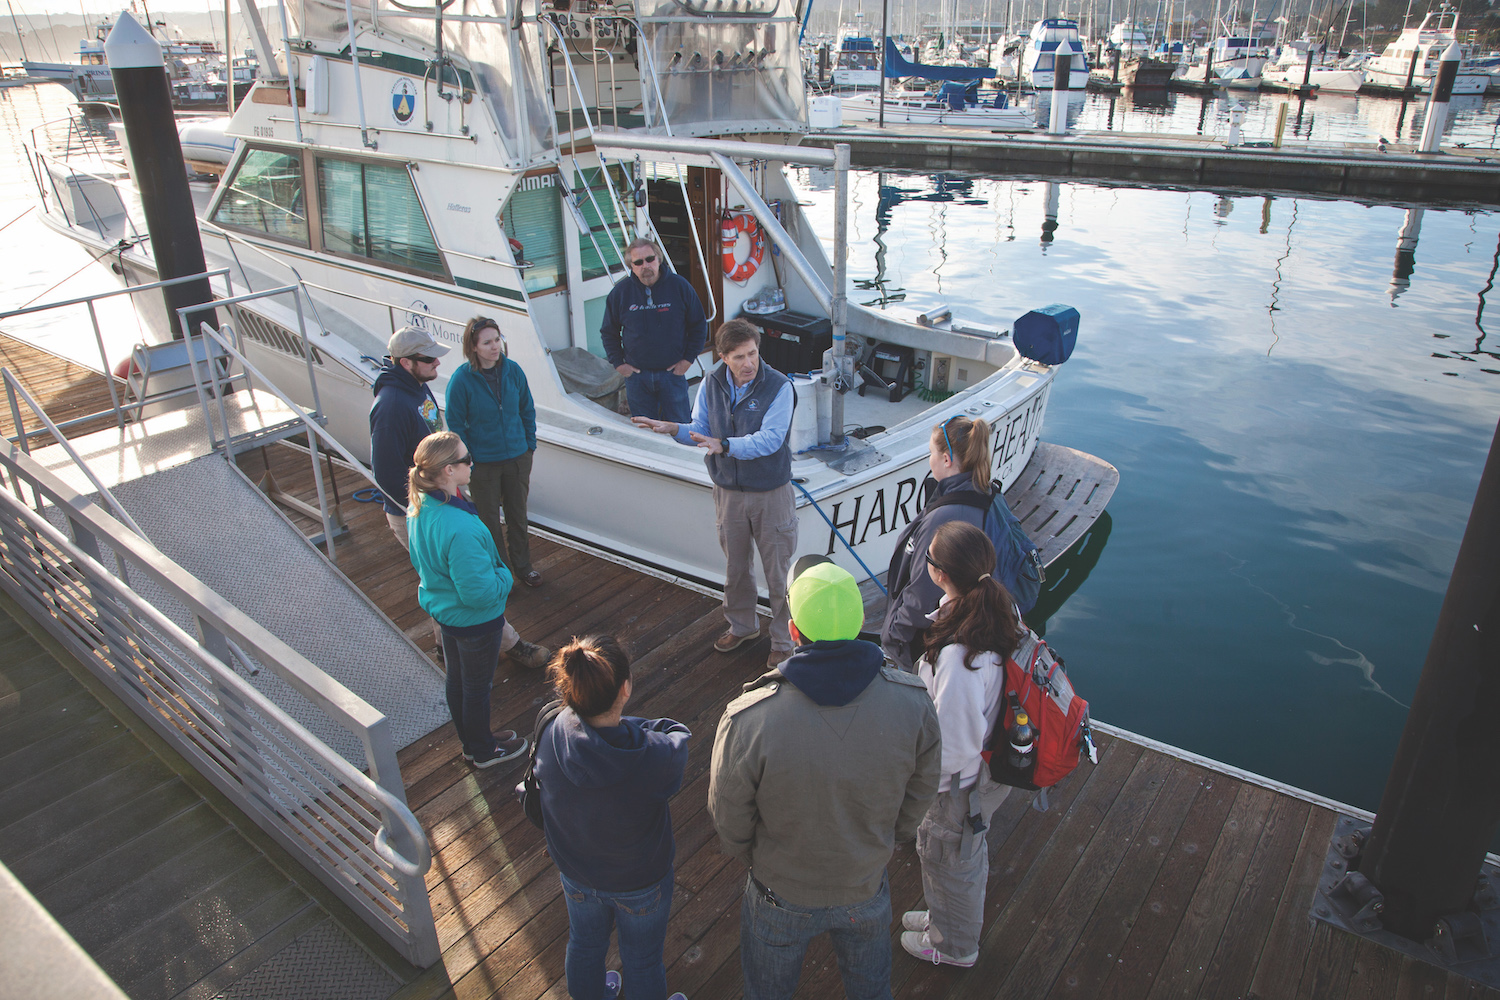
x=1339, y=170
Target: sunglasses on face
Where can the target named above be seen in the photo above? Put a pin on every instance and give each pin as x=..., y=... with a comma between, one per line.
x=424, y=359
x=644, y=261
x=466, y=460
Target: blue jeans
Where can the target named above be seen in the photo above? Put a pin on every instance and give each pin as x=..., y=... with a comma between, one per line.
x=774, y=939
x=641, y=916
x=471, y=662
x=659, y=395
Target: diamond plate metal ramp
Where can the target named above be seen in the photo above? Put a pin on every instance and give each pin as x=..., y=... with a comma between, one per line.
x=206, y=517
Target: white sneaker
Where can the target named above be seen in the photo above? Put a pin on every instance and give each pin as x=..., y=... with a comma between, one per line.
x=915, y=920
x=917, y=943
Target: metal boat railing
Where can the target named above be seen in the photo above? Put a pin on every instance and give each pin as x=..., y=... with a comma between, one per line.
x=352, y=829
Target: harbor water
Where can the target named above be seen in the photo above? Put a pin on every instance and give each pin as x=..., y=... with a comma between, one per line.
x=1299, y=395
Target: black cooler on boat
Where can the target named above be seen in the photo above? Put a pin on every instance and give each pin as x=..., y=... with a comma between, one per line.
x=793, y=342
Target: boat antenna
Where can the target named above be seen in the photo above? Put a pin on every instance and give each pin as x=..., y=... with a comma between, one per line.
x=17, y=26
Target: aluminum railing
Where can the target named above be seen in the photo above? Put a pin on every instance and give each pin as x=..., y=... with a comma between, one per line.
x=352, y=829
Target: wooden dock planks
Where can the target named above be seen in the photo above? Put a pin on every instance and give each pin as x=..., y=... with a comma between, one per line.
x=1149, y=876
x=64, y=389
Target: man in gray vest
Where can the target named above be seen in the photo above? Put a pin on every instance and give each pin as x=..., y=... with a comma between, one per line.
x=741, y=420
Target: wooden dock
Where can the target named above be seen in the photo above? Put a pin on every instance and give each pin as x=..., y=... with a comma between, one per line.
x=1344, y=170
x=1149, y=876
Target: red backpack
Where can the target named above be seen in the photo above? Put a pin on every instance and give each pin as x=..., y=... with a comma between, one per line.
x=1037, y=682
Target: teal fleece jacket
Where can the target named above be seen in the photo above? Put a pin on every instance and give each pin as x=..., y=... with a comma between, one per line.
x=463, y=581
x=494, y=430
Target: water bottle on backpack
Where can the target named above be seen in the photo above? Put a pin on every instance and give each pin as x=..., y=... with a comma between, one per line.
x=1022, y=742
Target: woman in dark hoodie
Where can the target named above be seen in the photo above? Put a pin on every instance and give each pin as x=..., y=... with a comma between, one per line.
x=605, y=780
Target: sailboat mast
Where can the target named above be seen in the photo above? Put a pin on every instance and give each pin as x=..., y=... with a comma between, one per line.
x=14, y=24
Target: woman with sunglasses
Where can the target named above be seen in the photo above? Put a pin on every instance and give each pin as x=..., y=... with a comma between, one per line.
x=974, y=630
x=463, y=587
x=489, y=405
x=959, y=459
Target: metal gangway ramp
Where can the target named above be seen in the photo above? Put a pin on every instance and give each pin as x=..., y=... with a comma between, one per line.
x=175, y=582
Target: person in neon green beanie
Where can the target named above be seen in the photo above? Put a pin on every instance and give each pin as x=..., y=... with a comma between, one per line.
x=830, y=724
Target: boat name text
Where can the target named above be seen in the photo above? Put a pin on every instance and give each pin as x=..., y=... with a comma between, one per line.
x=1010, y=442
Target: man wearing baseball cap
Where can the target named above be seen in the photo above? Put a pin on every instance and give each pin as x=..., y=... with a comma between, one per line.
x=404, y=412
x=819, y=768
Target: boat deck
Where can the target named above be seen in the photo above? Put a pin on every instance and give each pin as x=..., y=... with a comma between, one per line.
x=1151, y=875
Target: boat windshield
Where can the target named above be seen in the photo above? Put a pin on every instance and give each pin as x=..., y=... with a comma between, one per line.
x=507, y=65
x=723, y=70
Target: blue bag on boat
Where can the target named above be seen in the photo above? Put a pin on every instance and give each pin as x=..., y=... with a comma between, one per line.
x=1047, y=334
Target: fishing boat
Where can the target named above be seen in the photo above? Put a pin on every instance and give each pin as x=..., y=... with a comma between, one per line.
x=856, y=62
x=423, y=166
x=955, y=100
x=1038, y=57
x=1412, y=60
x=192, y=67
x=1233, y=61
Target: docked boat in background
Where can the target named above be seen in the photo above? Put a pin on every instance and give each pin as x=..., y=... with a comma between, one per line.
x=1333, y=75
x=445, y=174
x=1232, y=61
x=856, y=63
x=195, y=69
x=1412, y=59
x=954, y=100
x=1037, y=58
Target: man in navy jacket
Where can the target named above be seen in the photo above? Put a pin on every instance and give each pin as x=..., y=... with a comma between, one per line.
x=653, y=331
x=404, y=412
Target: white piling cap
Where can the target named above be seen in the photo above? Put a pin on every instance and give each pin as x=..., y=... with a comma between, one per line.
x=130, y=46
x=1065, y=48
x=1452, y=53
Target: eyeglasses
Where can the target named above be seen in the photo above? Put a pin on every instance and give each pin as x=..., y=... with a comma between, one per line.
x=644, y=261
x=424, y=359
x=933, y=562
x=466, y=460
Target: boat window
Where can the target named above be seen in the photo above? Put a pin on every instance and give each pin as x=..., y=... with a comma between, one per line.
x=266, y=196
x=607, y=232
x=371, y=210
x=533, y=217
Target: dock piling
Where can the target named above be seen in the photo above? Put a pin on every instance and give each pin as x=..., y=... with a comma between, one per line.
x=1441, y=804
x=1437, y=103
x=1062, y=62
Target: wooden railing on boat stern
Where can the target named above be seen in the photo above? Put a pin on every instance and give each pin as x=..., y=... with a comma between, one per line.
x=351, y=828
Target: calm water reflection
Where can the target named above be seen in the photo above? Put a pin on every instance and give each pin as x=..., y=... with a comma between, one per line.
x=1299, y=395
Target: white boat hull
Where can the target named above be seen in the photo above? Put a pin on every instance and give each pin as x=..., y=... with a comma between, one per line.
x=867, y=109
x=1328, y=79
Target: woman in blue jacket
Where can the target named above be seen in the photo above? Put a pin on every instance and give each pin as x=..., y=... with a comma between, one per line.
x=605, y=780
x=463, y=587
x=489, y=405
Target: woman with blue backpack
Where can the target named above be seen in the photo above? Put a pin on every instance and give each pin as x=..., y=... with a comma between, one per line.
x=960, y=462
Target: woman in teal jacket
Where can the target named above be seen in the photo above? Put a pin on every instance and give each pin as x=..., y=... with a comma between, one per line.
x=489, y=405
x=463, y=587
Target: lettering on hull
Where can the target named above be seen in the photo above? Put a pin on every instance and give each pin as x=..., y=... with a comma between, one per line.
x=888, y=505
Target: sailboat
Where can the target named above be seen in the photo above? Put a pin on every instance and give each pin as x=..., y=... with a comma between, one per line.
x=421, y=166
x=955, y=101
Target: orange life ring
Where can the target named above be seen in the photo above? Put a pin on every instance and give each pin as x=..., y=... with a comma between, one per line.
x=729, y=232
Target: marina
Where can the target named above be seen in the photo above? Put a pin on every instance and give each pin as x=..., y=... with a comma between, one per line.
x=1283, y=353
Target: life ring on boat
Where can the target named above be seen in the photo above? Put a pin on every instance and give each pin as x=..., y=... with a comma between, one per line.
x=729, y=231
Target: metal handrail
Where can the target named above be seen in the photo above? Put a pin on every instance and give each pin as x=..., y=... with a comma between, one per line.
x=14, y=388
x=340, y=821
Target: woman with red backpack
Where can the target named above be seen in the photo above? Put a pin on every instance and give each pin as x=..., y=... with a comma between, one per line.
x=972, y=632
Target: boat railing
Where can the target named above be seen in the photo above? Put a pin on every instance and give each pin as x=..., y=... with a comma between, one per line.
x=351, y=828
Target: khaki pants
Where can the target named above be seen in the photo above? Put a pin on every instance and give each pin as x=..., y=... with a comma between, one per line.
x=505, y=484
x=746, y=522
x=508, y=636
x=956, y=864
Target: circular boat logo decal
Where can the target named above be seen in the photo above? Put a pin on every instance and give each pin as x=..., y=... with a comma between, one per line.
x=403, y=100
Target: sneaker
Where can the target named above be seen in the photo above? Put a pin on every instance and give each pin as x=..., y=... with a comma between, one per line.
x=532, y=578
x=677, y=996
x=917, y=943
x=729, y=642
x=612, y=983
x=777, y=657
x=504, y=750
x=503, y=736
x=529, y=655
x=915, y=920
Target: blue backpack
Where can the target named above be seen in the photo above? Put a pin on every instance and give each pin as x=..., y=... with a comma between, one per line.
x=1018, y=564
